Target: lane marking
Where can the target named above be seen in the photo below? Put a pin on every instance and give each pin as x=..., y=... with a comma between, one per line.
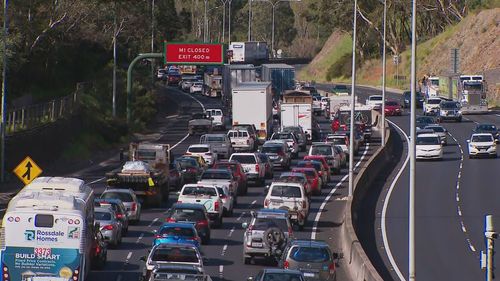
x=140, y=237
x=221, y=271
x=153, y=222
x=241, y=216
x=172, y=116
x=182, y=140
x=457, y=195
x=231, y=232
x=254, y=201
x=330, y=194
x=362, y=156
x=128, y=257
x=224, y=249
x=97, y=180
x=387, y=198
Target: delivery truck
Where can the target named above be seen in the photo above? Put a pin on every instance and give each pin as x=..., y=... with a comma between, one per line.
x=282, y=77
x=233, y=75
x=253, y=104
x=296, y=110
x=248, y=52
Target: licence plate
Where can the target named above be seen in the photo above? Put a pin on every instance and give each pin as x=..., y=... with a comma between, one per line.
x=246, y=169
x=255, y=244
x=293, y=216
x=307, y=274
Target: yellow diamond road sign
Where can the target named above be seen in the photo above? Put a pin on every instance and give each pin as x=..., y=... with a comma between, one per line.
x=27, y=170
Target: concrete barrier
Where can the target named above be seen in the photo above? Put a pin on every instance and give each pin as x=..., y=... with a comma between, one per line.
x=355, y=261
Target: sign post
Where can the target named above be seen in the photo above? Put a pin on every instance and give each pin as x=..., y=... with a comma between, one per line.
x=194, y=53
x=27, y=170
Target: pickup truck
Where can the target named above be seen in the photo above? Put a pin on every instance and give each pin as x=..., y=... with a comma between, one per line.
x=218, y=119
x=241, y=140
x=220, y=144
x=206, y=195
x=200, y=122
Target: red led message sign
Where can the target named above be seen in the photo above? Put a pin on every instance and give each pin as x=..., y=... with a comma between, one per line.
x=194, y=53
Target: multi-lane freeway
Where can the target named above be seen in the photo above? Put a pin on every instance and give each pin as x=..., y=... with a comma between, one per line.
x=224, y=253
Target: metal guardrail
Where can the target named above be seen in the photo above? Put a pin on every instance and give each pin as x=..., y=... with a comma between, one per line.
x=38, y=115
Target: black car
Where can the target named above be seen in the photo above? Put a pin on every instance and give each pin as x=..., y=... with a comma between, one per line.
x=406, y=97
x=195, y=213
x=423, y=121
x=487, y=128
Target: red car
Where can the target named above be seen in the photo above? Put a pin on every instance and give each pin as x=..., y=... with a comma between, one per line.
x=322, y=159
x=393, y=108
x=238, y=174
x=318, y=166
x=312, y=177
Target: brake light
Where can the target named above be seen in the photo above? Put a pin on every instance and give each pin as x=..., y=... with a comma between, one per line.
x=108, y=227
x=331, y=268
x=216, y=205
x=202, y=223
x=170, y=220
x=257, y=168
x=157, y=236
x=119, y=216
x=290, y=232
x=97, y=250
x=266, y=202
x=134, y=207
x=223, y=196
x=304, y=204
x=286, y=264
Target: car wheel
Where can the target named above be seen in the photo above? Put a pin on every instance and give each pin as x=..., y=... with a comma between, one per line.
x=246, y=260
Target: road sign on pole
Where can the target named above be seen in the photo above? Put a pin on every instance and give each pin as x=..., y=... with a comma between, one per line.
x=27, y=170
x=455, y=60
x=194, y=53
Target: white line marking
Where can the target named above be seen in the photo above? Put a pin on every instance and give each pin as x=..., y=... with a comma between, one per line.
x=2, y=210
x=128, y=257
x=140, y=237
x=254, y=201
x=224, y=249
x=172, y=116
x=183, y=139
x=231, y=232
x=327, y=198
x=497, y=115
x=221, y=270
x=97, y=180
x=362, y=157
x=241, y=216
x=153, y=222
x=386, y=203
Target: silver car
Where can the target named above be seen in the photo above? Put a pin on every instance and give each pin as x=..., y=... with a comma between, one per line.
x=440, y=131
x=129, y=199
x=266, y=235
x=111, y=228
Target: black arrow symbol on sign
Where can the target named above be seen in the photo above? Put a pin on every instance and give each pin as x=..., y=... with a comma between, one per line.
x=27, y=175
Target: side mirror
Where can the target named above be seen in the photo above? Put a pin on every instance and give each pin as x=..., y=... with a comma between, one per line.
x=244, y=225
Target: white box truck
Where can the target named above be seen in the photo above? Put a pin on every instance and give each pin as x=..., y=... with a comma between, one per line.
x=296, y=110
x=253, y=104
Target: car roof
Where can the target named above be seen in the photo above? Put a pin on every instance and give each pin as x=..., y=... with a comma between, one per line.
x=279, y=270
x=108, y=200
x=427, y=135
x=103, y=209
x=228, y=162
x=177, y=224
x=244, y=153
x=272, y=211
x=188, y=206
x=174, y=245
x=121, y=190
x=200, y=145
x=279, y=182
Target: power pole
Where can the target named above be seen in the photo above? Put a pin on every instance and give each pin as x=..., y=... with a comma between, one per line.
x=411, y=205
x=4, y=90
x=353, y=103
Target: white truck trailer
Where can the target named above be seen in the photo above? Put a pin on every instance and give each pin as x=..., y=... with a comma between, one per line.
x=253, y=104
x=296, y=110
x=472, y=94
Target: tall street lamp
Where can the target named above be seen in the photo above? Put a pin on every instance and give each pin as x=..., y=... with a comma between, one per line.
x=384, y=73
x=353, y=103
x=273, y=5
x=205, y=23
x=4, y=90
x=229, y=27
x=223, y=19
x=249, y=20
x=411, y=205
x=152, y=39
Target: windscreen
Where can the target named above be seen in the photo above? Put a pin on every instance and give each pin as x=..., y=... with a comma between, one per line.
x=244, y=159
x=337, y=141
x=434, y=101
x=286, y=191
x=176, y=231
x=321, y=150
x=266, y=223
x=376, y=98
x=292, y=178
x=308, y=173
x=482, y=138
x=124, y=197
x=238, y=134
x=186, y=163
x=487, y=128
x=209, y=175
x=214, y=139
x=225, y=166
x=175, y=255
x=436, y=129
x=198, y=149
x=282, y=136
x=102, y=216
x=315, y=164
x=199, y=191
x=271, y=149
x=309, y=254
x=270, y=276
x=449, y=105
x=187, y=215
x=391, y=103
x=428, y=141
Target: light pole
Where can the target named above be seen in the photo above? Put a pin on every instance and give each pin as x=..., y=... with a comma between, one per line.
x=223, y=19
x=383, y=74
x=229, y=27
x=205, y=23
x=152, y=39
x=353, y=103
x=114, y=60
x=411, y=205
x=4, y=89
x=249, y=20
x=273, y=6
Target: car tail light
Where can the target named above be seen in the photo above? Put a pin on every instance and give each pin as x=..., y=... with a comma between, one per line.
x=266, y=202
x=170, y=220
x=248, y=141
x=191, y=170
x=97, y=250
x=202, y=223
x=119, y=216
x=216, y=205
x=223, y=196
x=157, y=236
x=286, y=264
x=290, y=232
x=134, y=207
x=76, y=274
x=331, y=268
x=108, y=227
x=304, y=204
x=257, y=168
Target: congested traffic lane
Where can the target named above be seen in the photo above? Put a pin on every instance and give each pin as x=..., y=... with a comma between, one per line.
x=224, y=252
x=449, y=221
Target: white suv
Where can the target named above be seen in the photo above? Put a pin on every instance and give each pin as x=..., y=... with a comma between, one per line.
x=217, y=115
x=482, y=145
x=289, y=196
x=431, y=106
x=375, y=101
x=203, y=150
x=253, y=167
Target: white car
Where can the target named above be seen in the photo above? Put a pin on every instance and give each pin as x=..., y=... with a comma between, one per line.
x=289, y=196
x=217, y=117
x=327, y=150
x=196, y=87
x=253, y=167
x=431, y=106
x=375, y=101
x=203, y=150
x=428, y=146
x=440, y=131
x=241, y=140
x=207, y=195
x=483, y=144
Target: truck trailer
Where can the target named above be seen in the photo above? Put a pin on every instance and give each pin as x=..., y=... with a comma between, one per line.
x=282, y=77
x=253, y=104
x=296, y=110
x=233, y=75
x=248, y=52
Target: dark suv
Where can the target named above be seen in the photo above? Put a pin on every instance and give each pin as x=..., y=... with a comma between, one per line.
x=195, y=213
x=406, y=97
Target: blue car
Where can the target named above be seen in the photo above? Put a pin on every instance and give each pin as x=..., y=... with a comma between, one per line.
x=177, y=233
